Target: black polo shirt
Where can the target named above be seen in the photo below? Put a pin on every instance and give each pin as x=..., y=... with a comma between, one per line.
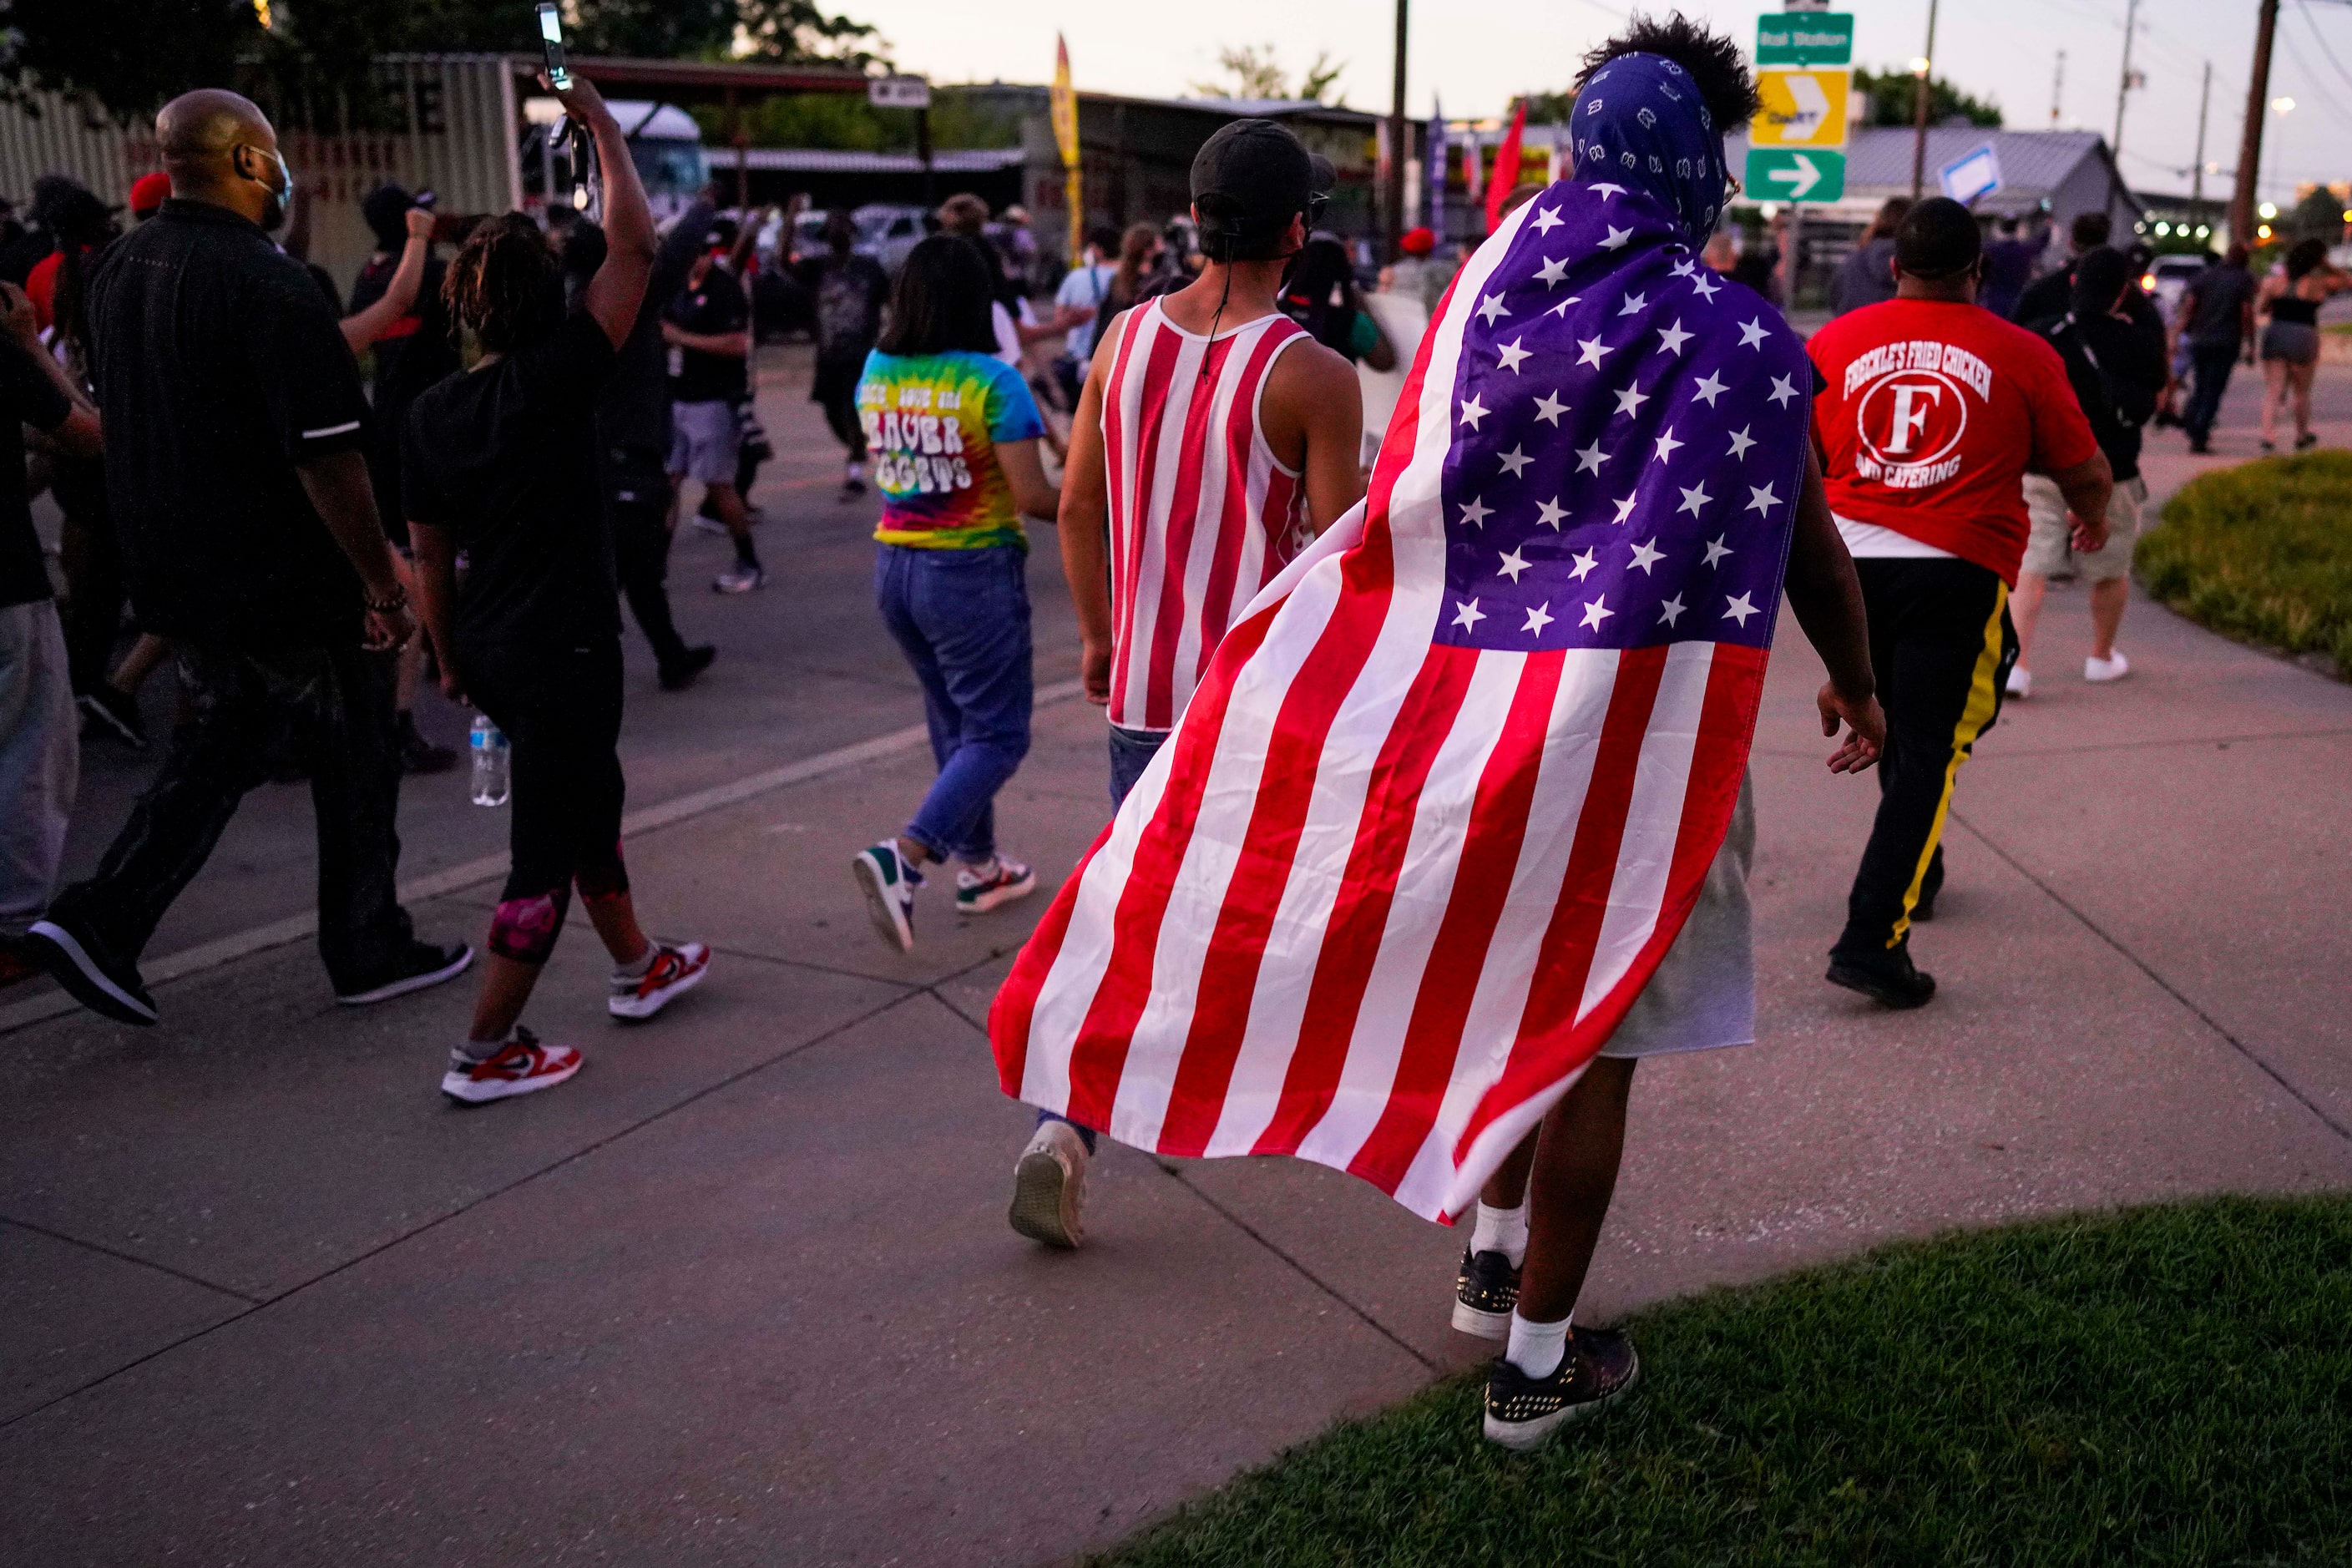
x=219, y=367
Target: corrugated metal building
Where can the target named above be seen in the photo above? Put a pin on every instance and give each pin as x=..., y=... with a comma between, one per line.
x=447, y=121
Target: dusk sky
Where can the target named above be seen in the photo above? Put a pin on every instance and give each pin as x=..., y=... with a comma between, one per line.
x=1477, y=56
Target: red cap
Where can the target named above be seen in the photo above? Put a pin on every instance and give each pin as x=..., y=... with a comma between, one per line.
x=147, y=191
x=1417, y=242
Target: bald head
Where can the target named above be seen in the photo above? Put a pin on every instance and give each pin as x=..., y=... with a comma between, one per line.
x=218, y=147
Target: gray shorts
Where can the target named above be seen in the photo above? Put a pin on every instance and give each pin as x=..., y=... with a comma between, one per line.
x=705, y=438
x=1704, y=994
x=2296, y=343
x=2048, y=551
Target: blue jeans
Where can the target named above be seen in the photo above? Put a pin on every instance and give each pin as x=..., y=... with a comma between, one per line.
x=2213, y=365
x=1132, y=752
x=961, y=617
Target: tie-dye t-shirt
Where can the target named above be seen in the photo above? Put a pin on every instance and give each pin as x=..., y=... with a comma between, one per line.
x=932, y=423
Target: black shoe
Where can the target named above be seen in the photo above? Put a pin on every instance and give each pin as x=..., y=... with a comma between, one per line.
x=419, y=756
x=1599, y=1369
x=2197, y=448
x=678, y=677
x=1485, y=1291
x=113, y=714
x=426, y=963
x=852, y=488
x=99, y=982
x=1892, y=981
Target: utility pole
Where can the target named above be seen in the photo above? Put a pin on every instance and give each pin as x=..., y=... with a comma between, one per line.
x=2124, y=82
x=2197, y=180
x=1395, y=198
x=1919, y=109
x=2249, y=148
x=2057, y=89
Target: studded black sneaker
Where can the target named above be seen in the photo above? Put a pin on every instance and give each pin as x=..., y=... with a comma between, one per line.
x=1599, y=1369
x=1483, y=1294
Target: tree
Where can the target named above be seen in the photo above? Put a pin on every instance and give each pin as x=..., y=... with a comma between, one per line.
x=1255, y=71
x=1894, y=100
x=127, y=56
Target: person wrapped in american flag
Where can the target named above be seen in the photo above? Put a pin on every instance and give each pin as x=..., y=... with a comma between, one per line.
x=1456, y=826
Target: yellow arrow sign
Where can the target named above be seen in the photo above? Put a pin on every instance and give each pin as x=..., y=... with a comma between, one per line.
x=1802, y=109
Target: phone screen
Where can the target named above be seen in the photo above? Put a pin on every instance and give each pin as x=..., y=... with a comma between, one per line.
x=550, y=37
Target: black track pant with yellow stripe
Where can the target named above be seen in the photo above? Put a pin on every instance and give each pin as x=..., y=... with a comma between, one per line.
x=1942, y=644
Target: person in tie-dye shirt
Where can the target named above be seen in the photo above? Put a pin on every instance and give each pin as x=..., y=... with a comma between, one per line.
x=953, y=435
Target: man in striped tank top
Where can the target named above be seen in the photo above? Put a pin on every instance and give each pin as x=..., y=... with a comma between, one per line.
x=1214, y=439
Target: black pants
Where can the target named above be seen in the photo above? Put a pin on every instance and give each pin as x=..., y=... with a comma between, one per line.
x=337, y=704
x=1942, y=644
x=561, y=711
x=96, y=587
x=2211, y=367
x=636, y=499
x=835, y=390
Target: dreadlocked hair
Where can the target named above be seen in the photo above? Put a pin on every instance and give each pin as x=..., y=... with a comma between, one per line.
x=1714, y=61
x=505, y=286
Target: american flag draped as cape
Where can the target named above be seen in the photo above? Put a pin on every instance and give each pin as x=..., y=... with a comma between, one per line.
x=1449, y=788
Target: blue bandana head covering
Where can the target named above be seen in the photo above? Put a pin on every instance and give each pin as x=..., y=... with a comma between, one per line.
x=1640, y=124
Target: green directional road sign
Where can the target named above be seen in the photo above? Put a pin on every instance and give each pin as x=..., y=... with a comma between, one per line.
x=1805, y=39
x=1786, y=174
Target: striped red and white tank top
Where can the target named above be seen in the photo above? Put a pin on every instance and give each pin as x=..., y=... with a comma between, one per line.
x=1202, y=516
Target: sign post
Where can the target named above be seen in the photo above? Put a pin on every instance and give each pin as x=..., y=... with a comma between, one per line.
x=1796, y=144
x=908, y=92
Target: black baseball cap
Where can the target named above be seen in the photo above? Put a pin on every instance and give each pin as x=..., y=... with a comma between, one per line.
x=1249, y=180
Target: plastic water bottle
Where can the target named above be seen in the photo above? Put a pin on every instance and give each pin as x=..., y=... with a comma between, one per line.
x=491, y=755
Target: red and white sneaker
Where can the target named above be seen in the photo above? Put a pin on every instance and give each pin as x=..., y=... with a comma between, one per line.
x=521, y=1066
x=676, y=971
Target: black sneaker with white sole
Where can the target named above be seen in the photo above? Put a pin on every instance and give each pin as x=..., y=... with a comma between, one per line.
x=1485, y=1291
x=1599, y=1369
x=100, y=981
x=424, y=964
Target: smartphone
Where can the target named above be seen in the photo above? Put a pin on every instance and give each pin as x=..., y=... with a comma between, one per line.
x=550, y=40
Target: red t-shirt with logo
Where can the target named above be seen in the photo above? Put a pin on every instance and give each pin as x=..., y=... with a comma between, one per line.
x=1933, y=414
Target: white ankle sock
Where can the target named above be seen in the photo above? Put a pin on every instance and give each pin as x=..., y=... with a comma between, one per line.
x=637, y=971
x=1535, y=1349
x=981, y=871
x=1502, y=1230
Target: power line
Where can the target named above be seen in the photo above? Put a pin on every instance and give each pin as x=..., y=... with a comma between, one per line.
x=2312, y=24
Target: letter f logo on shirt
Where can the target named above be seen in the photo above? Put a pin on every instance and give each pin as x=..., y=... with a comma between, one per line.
x=1912, y=402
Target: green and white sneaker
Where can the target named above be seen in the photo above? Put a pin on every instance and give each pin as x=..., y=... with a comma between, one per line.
x=1003, y=883
x=889, y=882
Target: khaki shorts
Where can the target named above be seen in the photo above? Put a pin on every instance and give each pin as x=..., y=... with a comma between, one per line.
x=2047, y=554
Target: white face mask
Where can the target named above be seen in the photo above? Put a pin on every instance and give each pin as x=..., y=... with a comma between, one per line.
x=280, y=199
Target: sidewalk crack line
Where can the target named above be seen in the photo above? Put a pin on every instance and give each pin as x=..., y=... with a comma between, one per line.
x=2167, y=987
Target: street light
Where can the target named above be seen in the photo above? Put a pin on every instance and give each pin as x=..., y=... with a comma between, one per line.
x=1918, y=65
x=2267, y=211
x=2283, y=105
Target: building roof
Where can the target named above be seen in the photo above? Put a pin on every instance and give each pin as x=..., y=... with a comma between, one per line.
x=827, y=160
x=2034, y=164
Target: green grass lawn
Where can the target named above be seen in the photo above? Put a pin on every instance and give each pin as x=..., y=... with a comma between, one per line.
x=2169, y=1385
x=2262, y=553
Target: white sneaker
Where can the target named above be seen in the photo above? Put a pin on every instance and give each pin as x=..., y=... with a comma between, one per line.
x=739, y=578
x=1049, y=1183
x=2099, y=672
x=888, y=883
x=674, y=972
x=521, y=1066
x=2020, y=681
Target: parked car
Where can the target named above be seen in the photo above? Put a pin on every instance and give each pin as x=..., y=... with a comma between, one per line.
x=887, y=233
x=2166, y=276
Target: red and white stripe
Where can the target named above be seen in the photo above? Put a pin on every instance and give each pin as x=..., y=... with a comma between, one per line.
x=1379, y=900
x=1201, y=515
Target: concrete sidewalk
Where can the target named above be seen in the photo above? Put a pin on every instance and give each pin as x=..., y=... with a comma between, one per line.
x=744, y=1292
